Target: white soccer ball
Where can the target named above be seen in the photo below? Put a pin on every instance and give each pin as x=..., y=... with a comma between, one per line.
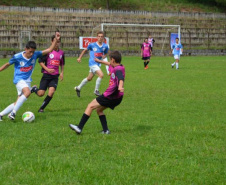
x=28, y=117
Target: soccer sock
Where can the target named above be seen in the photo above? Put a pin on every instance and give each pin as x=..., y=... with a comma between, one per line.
x=98, y=81
x=103, y=121
x=145, y=64
x=84, y=81
x=83, y=121
x=173, y=64
x=107, y=69
x=177, y=65
x=46, y=102
x=19, y=103
x=7, y=110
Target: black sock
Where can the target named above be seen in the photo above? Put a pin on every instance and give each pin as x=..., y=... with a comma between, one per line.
x=46, y=102
x=83, y=121
x=145, y=64
x=103, y=121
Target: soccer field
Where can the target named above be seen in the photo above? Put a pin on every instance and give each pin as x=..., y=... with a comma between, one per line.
x=169, y=128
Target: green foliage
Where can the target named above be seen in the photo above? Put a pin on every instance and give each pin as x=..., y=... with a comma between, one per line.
x=169, y=128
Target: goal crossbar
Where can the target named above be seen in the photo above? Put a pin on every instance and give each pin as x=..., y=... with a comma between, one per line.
x=142, y=25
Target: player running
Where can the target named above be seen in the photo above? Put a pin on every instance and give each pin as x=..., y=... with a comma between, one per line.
x=176, y=50
x=146, y=53
x=111, y=98
x=97, y=50
x=151, y=41
x=24, y=63
x=50, y=64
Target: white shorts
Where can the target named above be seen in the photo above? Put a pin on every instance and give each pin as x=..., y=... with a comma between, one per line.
x=94, y=68
x=177, y=57
x=22, y=84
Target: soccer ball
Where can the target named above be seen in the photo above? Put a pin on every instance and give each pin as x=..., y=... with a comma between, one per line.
x=28, y=117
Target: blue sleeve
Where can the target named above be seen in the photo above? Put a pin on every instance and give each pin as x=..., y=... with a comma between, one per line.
x=106, y=50
x=12, y=60
x=173, y=46
x=181, y=46
x=89, y=47
x=38, y=54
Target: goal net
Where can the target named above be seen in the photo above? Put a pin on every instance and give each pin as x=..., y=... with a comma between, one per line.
x=25, y=36
x=129, y=37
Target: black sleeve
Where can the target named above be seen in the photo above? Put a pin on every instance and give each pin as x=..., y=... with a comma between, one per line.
x=43, y=59
x=63, y=59
x=153, y=40
x=119, y=75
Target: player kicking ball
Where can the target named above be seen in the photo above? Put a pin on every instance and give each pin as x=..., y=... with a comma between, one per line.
x=111, y=98
x=50, y=64
x=176, y=50
x=97, y=50
x=24, y=63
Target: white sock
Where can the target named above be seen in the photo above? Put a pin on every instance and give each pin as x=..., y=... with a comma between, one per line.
x=19, y=103
x=173, y=64
x=7, y=110
x=107, y=67
x=177, y=65
x=98, y=81
x=84, y=81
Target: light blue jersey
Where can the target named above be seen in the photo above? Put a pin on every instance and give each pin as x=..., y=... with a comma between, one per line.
x=24, y=67
x=96, y=51
x=176, y=49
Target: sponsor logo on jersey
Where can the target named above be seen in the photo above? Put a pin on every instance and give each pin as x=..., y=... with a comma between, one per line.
x=111, y=82
x=26, y=69
x=113, y=75
x=94, y=49
x=22, y=63
x=55, y=62
x=51, y=55
x=98, y=54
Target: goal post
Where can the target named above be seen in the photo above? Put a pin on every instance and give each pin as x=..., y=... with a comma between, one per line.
x=168, y=28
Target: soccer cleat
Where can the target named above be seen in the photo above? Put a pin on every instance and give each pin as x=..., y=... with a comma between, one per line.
x=75, y=128
x=77, y=91
x=41, y=110
x=34, y=88
x=12, y=115
x=97, y=93
x=105, y=132
x=172, y=65
x=1, y=118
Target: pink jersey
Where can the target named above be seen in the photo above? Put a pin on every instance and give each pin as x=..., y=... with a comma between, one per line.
x=52, y=61
x=146, y=48
x=112, y=91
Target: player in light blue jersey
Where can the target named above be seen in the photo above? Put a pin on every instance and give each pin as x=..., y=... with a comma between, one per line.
x=24, y=63
x=176, y=50
x=97, y=50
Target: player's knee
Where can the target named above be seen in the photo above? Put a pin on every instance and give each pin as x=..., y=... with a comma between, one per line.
x=89, y=79
x=40, y=93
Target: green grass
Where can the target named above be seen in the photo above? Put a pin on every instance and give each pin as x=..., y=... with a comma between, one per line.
x=169, y=128
x=144, y=5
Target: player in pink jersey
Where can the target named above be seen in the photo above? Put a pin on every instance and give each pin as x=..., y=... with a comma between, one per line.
x=146, y=53
x=50, y=64
x=111, y=98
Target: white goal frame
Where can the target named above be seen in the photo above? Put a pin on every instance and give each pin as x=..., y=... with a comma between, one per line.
x=147, y=25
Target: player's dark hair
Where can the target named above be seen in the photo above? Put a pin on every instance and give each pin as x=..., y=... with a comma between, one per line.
x=145, y=39
x=177, y=38
x=53, y=37
x=100, y=32
x=31, y=44
x=116, y=55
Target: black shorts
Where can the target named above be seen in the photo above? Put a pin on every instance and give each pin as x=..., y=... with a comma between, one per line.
x=103, y=101
x=48, y=81
x=145, y=58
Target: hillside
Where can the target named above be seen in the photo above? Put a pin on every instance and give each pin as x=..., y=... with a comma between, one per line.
x=147, y=5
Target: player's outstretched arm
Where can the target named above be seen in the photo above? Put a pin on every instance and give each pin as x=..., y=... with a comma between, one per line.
x=120, y=86
x=102, y=62
x=50, y=49
x=3, y=67
x=81, y=55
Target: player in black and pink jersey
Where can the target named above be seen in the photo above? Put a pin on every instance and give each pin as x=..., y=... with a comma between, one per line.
x=111, y=98
x=50, y=64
